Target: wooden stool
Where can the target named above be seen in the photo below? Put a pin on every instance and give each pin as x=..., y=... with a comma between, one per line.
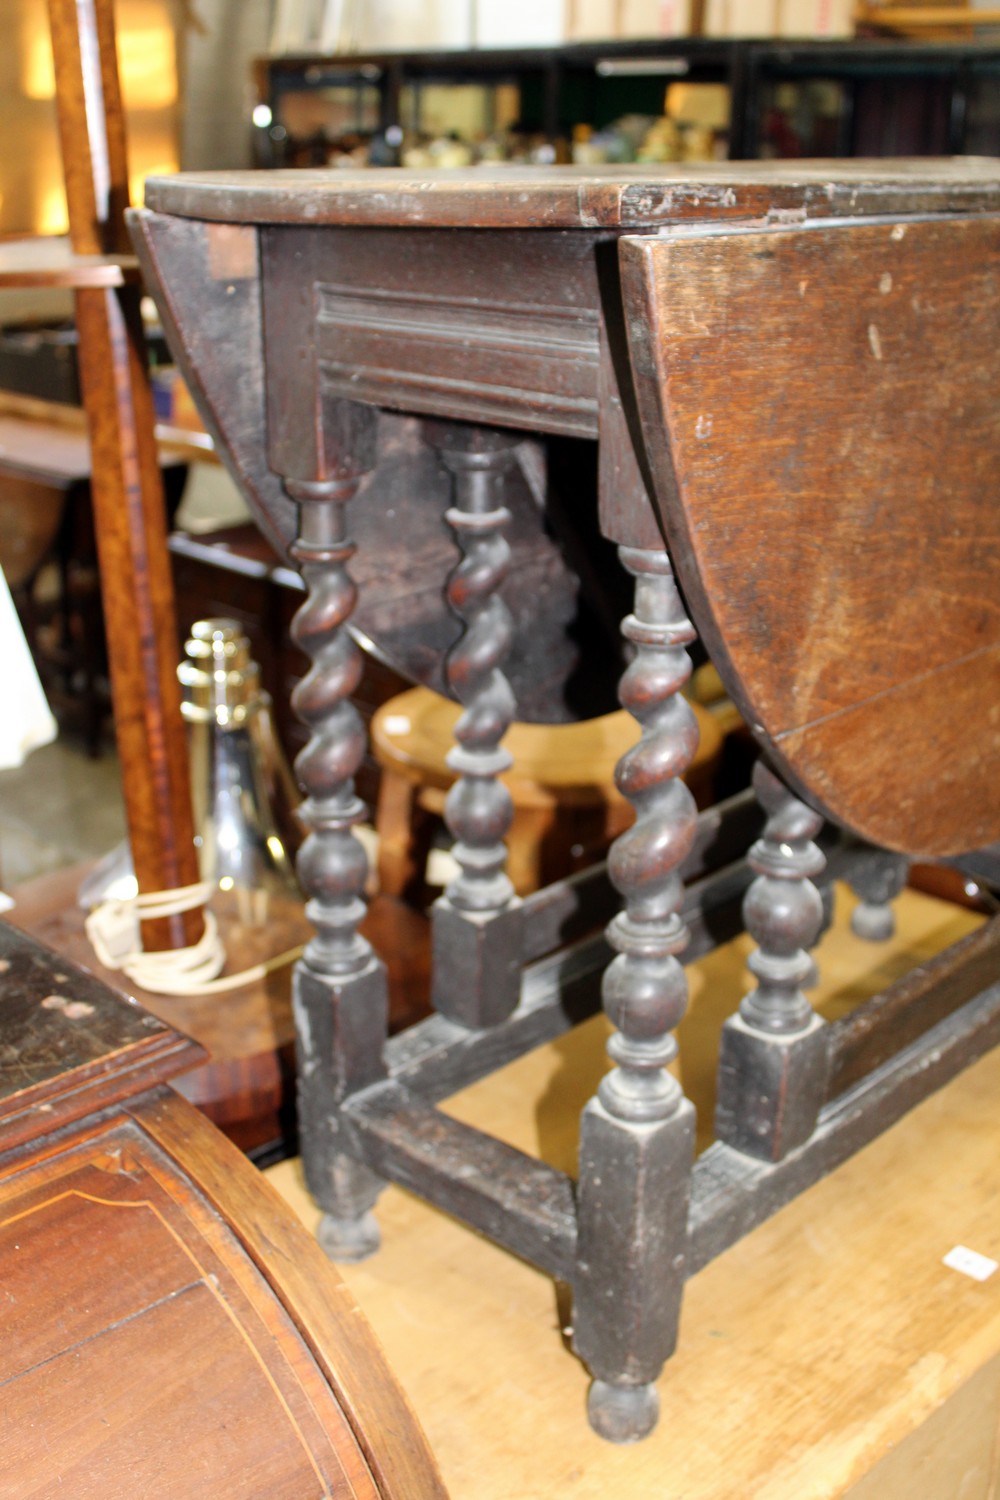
x=567, y=809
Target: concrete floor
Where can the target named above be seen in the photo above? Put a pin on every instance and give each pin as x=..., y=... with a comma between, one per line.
x=57, y=809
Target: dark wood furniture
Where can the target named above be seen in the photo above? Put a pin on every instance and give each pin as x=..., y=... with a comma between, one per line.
x=829, y=497
x=583, y=307
x=168, y=1328
x=828, y=1353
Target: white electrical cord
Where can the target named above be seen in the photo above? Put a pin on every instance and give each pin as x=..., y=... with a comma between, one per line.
x=113, y=930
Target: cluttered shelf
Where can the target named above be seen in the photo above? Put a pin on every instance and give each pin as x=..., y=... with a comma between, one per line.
x=662, y=99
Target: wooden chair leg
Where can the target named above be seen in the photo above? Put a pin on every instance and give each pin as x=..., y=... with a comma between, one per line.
x=406, y=820
x=528, y=832
x=394, y=816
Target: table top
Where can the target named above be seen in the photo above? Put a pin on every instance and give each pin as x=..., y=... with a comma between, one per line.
x=69, y=1046
x=819, y=413
x=49, y=453
x=243, y=1082
x=611, y=197
x=813, y=352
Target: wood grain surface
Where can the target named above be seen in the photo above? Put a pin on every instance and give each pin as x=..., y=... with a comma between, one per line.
x=167, y=1329
x=820, y=411
x=148, y=1349
x=68, y=1045
x=321, y=1306
x=612, y=197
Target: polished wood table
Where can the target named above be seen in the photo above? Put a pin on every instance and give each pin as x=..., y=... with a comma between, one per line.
x=789, y=373
x=168, y=1330
x=244, y=1080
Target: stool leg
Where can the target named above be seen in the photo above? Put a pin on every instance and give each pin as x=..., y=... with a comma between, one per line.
x=477, y=922
x=637, y=1135
x=525, y=846
x=773, y=1058
x=399, y=870
x=339, y=993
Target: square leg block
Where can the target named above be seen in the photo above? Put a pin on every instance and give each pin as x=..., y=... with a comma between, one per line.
x=771, y=1087
x=477, y=963
x=632, y=1212
x=340, y=1028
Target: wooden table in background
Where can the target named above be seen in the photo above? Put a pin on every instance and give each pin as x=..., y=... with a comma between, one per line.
x=829, y=1354
x=247, y=1086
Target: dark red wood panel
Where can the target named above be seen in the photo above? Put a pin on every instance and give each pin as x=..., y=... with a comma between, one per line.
x=148, y=1263
x=820, y=409
x=142, y=1352
x=167, y=1403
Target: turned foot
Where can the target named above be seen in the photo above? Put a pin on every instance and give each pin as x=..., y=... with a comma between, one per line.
x=874, y=923
x=876, y=880
x=622, y=1413
x=348, y=1240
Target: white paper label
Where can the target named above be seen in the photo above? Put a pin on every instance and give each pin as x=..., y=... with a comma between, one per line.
x=970, y=1263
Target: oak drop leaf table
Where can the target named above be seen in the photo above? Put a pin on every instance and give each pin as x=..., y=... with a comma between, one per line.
x=789, y=372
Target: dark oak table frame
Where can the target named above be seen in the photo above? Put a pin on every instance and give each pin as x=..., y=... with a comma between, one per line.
x=302, y=306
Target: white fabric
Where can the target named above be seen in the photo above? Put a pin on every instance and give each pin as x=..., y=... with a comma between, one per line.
x=25, y=719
